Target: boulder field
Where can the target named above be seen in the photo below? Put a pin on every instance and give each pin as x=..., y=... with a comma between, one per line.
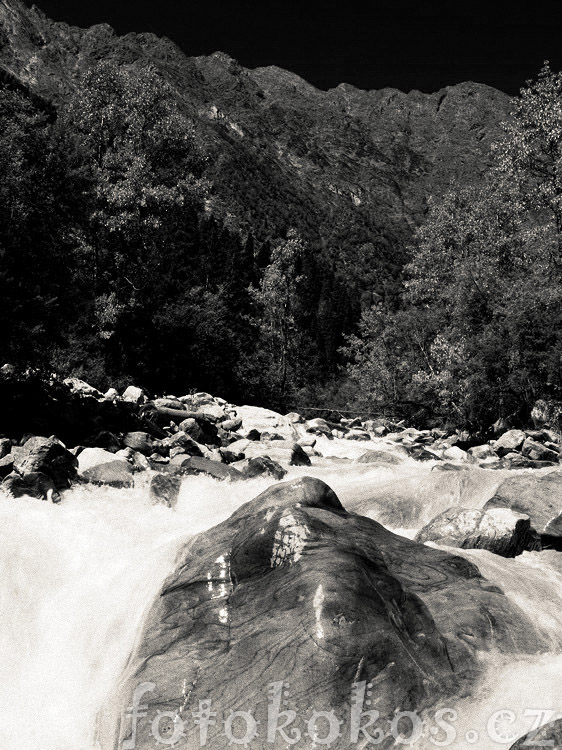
x=121, y=440
x=302, y=605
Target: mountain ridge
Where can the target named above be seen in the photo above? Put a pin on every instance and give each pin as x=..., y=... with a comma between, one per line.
x=347, y=167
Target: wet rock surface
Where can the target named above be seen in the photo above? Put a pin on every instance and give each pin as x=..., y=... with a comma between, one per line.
x=293, y=587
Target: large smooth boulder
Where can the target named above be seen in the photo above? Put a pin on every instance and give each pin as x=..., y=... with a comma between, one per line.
x=537, y=496
x=293, y=594
x=47, y=456
x=509, y=442
x=498, y=530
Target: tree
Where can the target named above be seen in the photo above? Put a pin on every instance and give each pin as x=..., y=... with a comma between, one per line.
x=39, y=197
x=146, y=169
x=482, y=299
x=529, y=156
x=278, y=298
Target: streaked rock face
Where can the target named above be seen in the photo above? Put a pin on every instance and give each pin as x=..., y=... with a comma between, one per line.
x=293, y=589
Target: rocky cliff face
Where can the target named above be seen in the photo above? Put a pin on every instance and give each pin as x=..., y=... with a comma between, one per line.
x=344, y=166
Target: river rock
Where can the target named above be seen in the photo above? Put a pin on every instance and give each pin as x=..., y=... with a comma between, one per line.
x=47, y=456
x=5, y=447
x=294, y=417
x=481, y=453
x=191, y=427
x=134, y=395
x=509, y=442
x=318, y=426
x=231, y=425
x=296, y=601
x=104, y=439
x=142, y=442
x=34, y=484
x=265, y=420
x=230, y=457
x=498, y=530
x=307, y=441
x=82, y=388
x=282, y=451
x=263, y=466
x=379, y=457
x=138, y=461
x=548, y=736
x=537, y=496
x=538, y=452
x=454, y=453
x=90, y=457
x=419, y=453
x=197, y=465
x=6, y=465
x=164, y=490
x=183, y=441
x=357, y=434
x=116, y=473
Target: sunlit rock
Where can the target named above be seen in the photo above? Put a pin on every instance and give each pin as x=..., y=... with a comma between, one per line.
x=497, y=530
x=539, y=496
x=292, y=589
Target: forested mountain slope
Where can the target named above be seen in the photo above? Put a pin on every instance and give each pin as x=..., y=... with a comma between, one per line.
x=126, y=119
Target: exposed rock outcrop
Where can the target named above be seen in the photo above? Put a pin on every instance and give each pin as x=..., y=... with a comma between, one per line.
x=497, y=530
x=292, y=588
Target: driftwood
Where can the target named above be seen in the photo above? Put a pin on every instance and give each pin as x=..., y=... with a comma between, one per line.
x=163, y=415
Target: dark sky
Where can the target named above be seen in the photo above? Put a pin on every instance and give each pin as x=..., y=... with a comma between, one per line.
x=421, y=44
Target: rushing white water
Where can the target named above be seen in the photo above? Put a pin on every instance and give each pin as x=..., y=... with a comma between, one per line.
x=76, y=579
x=75, y=582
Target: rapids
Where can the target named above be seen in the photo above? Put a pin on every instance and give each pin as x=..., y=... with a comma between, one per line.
x=76, y=580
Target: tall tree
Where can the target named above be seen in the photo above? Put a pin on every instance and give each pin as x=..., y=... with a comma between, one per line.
x=278, y=298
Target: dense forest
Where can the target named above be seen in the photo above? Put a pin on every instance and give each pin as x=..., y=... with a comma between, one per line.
x=114, y=269
x=477, y=334
x=121, y=262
